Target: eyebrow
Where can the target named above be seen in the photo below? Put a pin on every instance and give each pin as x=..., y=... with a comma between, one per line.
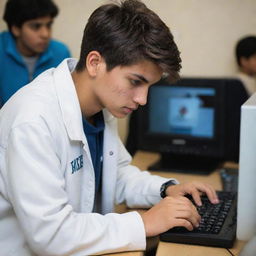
x=41, y=23
x=140, y=77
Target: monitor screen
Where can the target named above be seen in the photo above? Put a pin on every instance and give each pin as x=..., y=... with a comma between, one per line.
x=191, y=123
x=189, y=111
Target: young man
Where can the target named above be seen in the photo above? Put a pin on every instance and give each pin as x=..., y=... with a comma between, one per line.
x=27, y=49
x=62, y=164
x=246, y=60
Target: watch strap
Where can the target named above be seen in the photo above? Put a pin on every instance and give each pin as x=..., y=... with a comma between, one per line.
x=165, y=186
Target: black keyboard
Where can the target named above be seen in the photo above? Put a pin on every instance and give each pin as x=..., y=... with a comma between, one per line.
x=217, y=226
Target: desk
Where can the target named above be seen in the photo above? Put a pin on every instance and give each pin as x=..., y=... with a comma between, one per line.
x=143, y=160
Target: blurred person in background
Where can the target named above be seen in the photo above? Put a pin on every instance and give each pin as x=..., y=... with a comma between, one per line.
x=27, y=49
x=246, y=60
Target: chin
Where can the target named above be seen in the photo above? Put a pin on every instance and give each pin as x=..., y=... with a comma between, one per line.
x=118, y=115
x=39, y=51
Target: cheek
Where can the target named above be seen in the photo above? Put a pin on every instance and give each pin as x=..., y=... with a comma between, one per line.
x=29, y=39
x=254, y=64
x=122, y=92
x=116, y=86
x=119, y=89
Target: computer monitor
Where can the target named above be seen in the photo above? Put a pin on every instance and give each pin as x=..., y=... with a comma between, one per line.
x=246, y=211
x=193, y=123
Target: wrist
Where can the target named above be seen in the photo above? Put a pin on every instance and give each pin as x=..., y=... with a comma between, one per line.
x=165, y=186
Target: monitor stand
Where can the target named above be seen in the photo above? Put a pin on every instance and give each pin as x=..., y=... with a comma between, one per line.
x=186, y=164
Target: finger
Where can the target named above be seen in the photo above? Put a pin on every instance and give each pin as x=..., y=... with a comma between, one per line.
x=194, y=218
x=209, y=191
x=179, y=200
x=190, y=214
x=212, y=195
x=196, y=197
x=184, y=223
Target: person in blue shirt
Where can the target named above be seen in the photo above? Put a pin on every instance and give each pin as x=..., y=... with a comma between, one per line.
x=27, y=49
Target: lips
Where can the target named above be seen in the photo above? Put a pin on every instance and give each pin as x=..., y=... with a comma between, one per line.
x=43, y=45
x=129, y=110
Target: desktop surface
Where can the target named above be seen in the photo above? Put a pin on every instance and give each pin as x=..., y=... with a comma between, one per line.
x=143, y=159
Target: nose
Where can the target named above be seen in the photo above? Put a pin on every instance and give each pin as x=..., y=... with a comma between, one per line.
x=141, y=95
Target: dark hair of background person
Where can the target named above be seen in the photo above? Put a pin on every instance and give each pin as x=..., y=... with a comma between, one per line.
x=246, y=47
x=19, y=11
x=127, y=33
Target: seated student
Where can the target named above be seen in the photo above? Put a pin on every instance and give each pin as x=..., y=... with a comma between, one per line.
x=62, y=164
x=246, y=60
x=27, y=49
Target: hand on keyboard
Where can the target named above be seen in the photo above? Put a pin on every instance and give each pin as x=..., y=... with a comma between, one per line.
x=170, y=212
x=175, y=210
x=217, y=226
x=212, y=215
x=195, y=189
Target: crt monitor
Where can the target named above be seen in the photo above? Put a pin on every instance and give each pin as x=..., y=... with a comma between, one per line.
x=190, y=123
x=246, y=211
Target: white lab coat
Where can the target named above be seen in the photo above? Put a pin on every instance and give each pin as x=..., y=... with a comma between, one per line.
x=45, y=205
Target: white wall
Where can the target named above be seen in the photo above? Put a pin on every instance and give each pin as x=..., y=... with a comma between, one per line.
x=205, y=30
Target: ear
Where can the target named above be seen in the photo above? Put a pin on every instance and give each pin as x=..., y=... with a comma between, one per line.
x=94, y=62
x=15, y=30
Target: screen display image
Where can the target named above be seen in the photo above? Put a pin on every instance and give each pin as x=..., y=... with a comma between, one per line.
x=182, y=110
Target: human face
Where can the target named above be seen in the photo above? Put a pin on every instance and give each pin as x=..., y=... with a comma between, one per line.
x=252, y=64
x=248, y=65
x=123, y=89
x=33, y=37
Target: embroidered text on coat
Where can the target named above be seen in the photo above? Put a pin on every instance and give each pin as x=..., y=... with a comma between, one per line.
x=77, y=164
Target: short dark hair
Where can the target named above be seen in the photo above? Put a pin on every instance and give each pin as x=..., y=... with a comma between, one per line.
x=125, y=33
x=19, y=11
x=246, y=47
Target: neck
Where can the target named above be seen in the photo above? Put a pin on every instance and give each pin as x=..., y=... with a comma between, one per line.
x=84, y=88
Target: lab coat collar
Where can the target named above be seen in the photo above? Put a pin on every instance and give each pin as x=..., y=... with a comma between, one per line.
x=68, y=101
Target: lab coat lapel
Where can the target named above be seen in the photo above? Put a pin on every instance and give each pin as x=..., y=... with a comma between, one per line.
x=109, y=174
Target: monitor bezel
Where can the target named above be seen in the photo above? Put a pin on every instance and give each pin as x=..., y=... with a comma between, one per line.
x=203, y=146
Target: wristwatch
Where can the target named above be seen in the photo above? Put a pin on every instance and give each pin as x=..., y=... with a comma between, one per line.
x=165, y=186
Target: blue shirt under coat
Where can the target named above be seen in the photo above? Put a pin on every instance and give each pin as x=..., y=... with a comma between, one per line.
x=13, y=70
x=94, y=135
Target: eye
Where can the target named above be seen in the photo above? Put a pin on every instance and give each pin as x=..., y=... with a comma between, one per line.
x=35, y=26
x=49, y=25
x=135, y=82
